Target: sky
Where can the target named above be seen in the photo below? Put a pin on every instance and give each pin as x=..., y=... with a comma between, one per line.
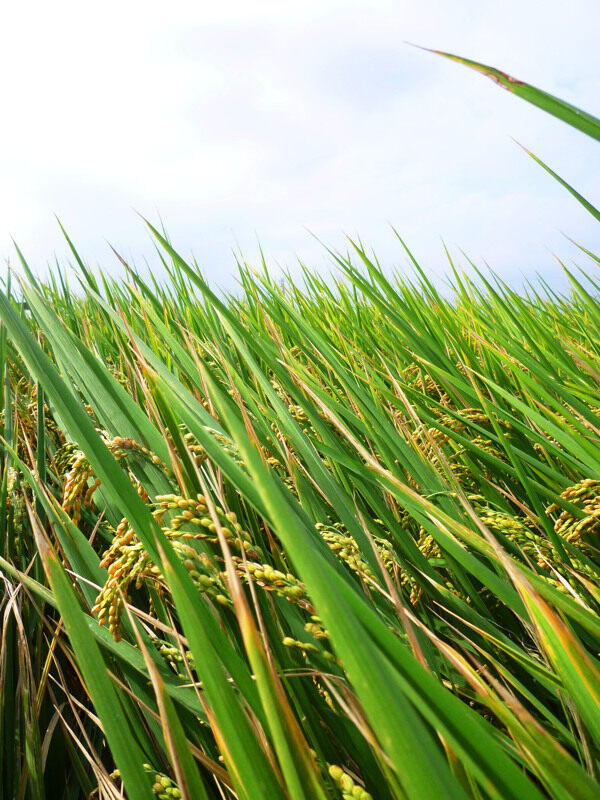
x=294, y=125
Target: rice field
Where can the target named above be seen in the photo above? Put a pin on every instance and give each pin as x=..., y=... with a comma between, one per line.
x=332, y=539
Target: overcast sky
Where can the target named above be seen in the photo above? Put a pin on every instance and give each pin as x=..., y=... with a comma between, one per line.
x=240, y=122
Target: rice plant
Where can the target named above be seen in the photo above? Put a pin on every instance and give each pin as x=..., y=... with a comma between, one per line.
x=328, y=539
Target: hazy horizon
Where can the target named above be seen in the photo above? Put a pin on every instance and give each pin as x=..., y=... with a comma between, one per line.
x=236, y=125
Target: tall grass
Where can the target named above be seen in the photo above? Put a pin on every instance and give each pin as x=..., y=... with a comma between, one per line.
x=320, y=540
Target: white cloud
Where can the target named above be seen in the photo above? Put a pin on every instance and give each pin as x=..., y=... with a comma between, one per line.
x=237, y=120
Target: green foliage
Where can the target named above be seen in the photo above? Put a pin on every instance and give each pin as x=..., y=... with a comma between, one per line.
x=334, y=540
